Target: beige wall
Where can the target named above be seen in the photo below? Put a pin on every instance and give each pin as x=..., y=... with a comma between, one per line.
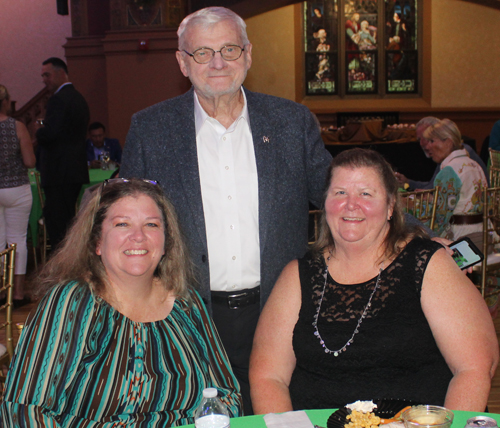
x=273, y=67
x=31, y=31
x=465, y=55
x=465, y=65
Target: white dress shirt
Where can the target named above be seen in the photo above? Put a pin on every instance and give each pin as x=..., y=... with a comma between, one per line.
x=229, y=188
x=62, y=86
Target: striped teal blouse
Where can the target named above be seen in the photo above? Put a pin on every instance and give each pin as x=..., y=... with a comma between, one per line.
x=80, y=363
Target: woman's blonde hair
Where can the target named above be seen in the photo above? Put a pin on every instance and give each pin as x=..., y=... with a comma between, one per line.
x=444, y=129
x=76, y=258
x=4, y=94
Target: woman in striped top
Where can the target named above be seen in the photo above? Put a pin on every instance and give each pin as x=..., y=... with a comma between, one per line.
x=119, y=338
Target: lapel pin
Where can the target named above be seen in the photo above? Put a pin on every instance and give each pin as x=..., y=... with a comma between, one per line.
x=265, y=139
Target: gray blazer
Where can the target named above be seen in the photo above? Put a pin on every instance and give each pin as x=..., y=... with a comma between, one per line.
x=291, y=164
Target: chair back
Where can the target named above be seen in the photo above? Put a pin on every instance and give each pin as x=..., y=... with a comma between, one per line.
x=36, y=174
x=491, y=232
x=7, y=262
x=314, y=216
x=422, y=204
x=494, y=168
x=42, y=229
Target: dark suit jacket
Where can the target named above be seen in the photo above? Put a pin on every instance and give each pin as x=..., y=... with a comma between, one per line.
x=111, y=145
x=62, y=156
x=291, y=164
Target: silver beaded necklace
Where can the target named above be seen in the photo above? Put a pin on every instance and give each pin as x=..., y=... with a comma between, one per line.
x=356, y=330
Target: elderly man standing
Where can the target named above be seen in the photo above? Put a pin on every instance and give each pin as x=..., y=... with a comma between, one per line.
x=62, y=157
x=240, y=168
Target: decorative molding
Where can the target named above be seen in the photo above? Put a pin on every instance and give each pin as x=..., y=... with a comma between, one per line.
x=32, y=110
x=146, y=14
x=495, y=4
x=79, y=18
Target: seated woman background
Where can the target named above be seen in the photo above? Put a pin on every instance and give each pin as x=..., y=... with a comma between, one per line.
x=120, y=338
x=374, y=310
x=461, y=181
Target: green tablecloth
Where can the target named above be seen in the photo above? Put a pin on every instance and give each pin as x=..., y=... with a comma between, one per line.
x=95, y=176
x=320, y=417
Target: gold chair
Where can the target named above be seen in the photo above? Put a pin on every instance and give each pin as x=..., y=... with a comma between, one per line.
x=494, y=168
x=491, y=234
x=314, y=216
x=422, y=204
x=42, y=230
x=7, y=262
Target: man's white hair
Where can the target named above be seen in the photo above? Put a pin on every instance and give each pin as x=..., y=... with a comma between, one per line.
x=427, y=121
x=208, y=17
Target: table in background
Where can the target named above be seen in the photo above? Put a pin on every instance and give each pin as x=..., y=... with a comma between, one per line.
x=320, y=417
x=399, y=146
x=402, y=151
x=96, y=176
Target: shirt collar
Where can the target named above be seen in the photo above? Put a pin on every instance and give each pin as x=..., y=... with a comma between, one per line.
x=99, y=148
x=200, y=115
x=62, y=86
x=453, y=155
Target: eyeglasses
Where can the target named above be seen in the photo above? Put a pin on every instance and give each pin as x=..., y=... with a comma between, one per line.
x=125, y=180
x=116, y=180
x=205, y=55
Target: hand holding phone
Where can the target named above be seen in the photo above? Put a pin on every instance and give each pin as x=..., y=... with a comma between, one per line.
x=465, y=253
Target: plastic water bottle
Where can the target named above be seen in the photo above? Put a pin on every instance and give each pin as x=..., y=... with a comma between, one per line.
x=211, y=413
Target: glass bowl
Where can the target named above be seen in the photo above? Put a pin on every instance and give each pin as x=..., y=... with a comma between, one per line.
x=426, y=416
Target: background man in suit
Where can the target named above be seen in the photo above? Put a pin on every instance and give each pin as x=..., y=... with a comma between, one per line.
x=62, y=157
x=239, y=167
x=98, y=143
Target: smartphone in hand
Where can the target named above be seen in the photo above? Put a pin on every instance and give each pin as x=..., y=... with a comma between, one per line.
x=465, y=253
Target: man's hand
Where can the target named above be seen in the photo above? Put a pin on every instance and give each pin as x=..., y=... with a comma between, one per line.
x=95, y=164
x=401, y=179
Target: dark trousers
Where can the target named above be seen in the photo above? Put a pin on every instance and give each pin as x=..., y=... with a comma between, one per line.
x=59, y=210
x=236, y=329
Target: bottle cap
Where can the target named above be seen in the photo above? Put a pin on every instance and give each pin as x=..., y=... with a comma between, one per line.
x=210, y=392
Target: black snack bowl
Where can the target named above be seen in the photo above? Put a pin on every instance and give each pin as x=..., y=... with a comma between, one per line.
x=386, y=408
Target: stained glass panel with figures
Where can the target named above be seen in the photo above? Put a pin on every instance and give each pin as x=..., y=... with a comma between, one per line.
x=401, y=46
x=355, y=47
x=361, y=32
x=321, y=41
x=361, y=72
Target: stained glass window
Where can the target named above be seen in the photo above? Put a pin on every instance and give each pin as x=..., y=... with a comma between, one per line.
x=401, y=46
x=355, y=47
x=321, y=42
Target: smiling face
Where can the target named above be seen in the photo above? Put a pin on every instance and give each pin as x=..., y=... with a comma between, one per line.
x=357, y=210
x=439, y=149
x=132, y=240
x=217, y=77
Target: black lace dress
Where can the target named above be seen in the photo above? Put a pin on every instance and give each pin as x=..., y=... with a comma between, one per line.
x=394, y=355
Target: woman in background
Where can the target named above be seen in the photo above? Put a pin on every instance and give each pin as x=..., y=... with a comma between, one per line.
x=461, y=181
x=16, y=156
